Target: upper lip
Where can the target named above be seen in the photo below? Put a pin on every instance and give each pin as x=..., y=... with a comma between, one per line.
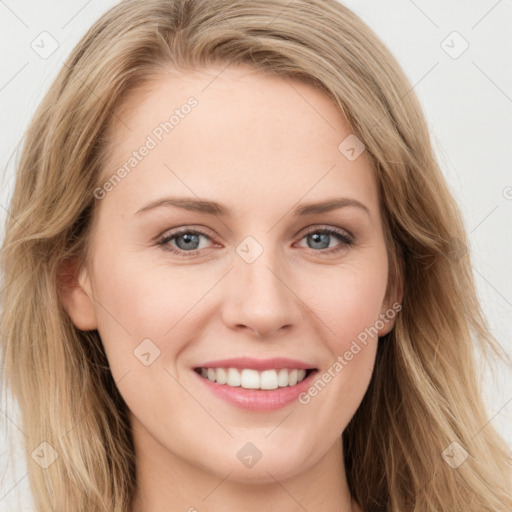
x=257, y=364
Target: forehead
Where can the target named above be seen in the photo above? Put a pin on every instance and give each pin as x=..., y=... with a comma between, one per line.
x=234, y=134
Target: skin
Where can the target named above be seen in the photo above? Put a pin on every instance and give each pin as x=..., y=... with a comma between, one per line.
x=259, y=145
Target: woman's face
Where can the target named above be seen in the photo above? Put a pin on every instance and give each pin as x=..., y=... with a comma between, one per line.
x=244, y=280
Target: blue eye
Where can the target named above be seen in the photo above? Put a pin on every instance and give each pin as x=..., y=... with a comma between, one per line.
x=320, y=237
x=187, y=241
x=187, y=238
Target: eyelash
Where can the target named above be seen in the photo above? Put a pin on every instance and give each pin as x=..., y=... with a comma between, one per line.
x=340, y=235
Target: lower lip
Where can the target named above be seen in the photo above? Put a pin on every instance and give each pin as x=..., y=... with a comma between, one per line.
x=256, y=399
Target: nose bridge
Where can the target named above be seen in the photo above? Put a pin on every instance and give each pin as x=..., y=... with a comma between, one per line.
x=259, y=296
x=257, y=266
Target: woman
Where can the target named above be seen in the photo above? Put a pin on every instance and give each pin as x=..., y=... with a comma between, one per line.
x=258, y=368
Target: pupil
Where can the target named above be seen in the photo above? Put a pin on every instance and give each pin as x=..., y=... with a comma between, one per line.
x=188, y=238
x=317, y=238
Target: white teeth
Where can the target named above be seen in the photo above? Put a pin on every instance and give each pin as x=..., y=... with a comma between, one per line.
x=253, y=379
x=282, y=379
x=233, y=377
x=250, y=379
x=268, y=379
x=222, y=377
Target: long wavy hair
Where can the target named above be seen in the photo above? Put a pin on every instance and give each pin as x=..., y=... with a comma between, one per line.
x=425, y=394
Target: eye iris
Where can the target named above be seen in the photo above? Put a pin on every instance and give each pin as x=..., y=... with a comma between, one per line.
x=190, y=239
x=320, y=238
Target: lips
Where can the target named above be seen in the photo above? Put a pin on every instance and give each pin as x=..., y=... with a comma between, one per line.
x=257, y=384
x=258, y=364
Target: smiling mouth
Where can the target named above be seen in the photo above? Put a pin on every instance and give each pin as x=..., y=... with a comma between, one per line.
x=248, y=378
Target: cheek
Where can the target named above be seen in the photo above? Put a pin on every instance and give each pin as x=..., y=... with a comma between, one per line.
x=138, y=299
x=349, y=304
x=173, y=305
x=145, y=298
x=349, y=300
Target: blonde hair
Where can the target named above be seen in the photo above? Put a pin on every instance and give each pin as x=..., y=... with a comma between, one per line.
x=425, y=393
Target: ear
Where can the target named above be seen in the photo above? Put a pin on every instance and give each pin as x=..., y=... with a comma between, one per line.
x=391, y=305
x=75, y=293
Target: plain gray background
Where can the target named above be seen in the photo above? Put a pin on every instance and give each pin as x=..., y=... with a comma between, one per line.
x=466, y=95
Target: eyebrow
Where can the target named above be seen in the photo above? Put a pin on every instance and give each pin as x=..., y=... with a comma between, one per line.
x=214, y=208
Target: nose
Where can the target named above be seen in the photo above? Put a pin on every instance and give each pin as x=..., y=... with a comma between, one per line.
x=260, y=298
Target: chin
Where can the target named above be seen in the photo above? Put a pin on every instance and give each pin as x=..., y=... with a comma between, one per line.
x=265, y=466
